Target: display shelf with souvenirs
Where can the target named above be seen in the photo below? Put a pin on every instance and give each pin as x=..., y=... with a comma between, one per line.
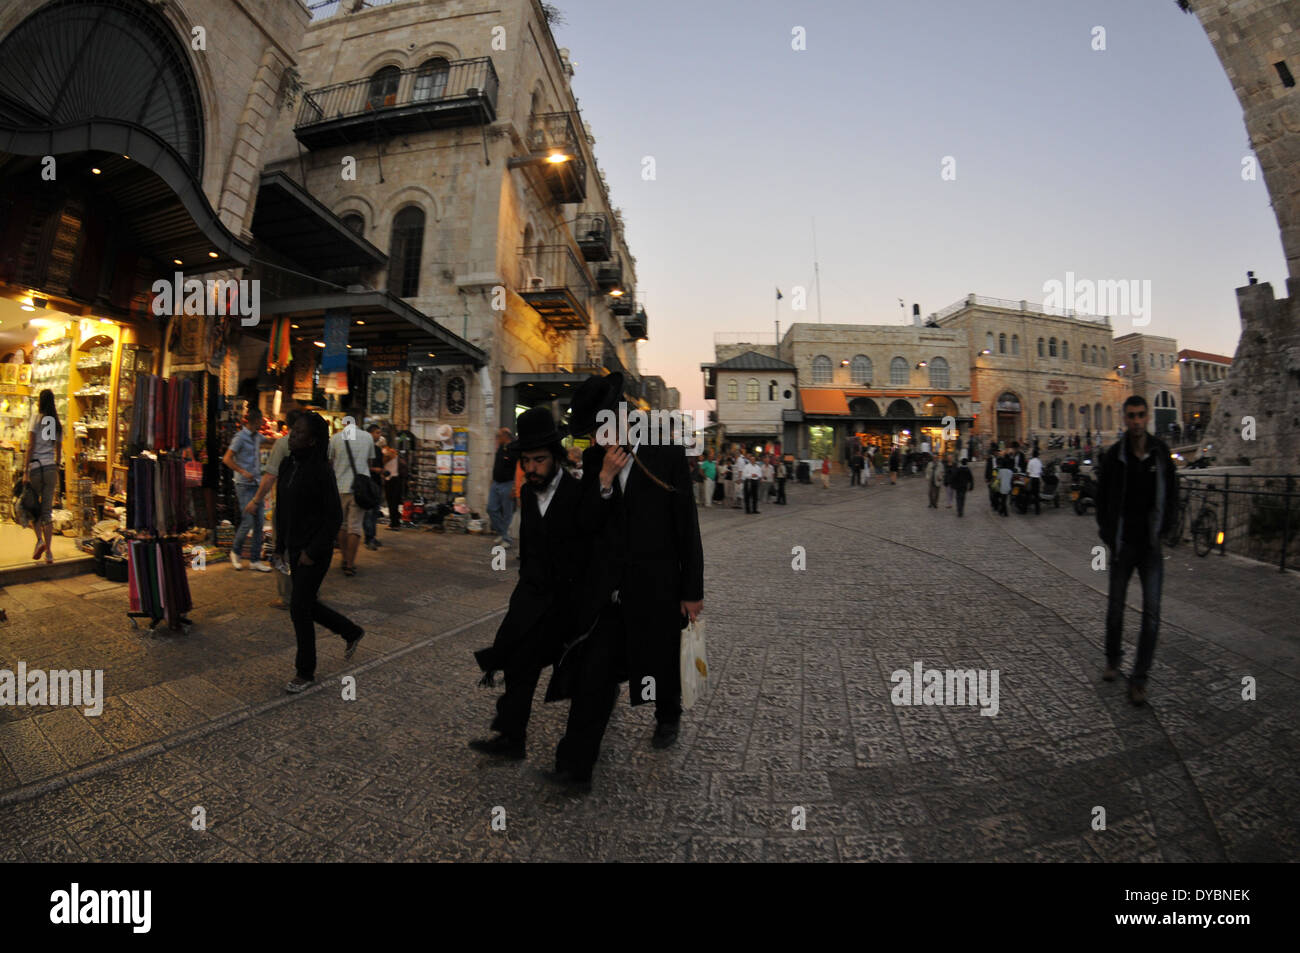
x=92, y=420
x=52, y=369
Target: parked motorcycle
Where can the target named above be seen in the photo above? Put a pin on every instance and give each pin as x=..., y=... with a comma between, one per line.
x=1083, y=492
x=1050, y=486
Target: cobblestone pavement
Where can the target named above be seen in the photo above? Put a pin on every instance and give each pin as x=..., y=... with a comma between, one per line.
x=799, y=714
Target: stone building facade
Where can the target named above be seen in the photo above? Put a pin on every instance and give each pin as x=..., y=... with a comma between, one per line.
x=754, y=393
x=876, y=385
x=1151, y=371
x=1036, y=372
x=446, y=134
x=1258, y=43
x=1203, y=376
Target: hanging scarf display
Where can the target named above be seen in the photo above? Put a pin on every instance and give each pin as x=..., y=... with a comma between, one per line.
x=279, y=354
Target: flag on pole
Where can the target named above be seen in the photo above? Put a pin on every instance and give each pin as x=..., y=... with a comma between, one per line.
x=779, y=296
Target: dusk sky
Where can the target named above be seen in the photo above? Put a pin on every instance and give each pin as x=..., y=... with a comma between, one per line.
x=1117, y=164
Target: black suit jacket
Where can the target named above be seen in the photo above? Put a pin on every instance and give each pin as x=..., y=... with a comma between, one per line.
x=646, y=545
x=554, y=554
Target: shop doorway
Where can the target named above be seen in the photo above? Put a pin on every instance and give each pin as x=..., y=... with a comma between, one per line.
x=1008, y=411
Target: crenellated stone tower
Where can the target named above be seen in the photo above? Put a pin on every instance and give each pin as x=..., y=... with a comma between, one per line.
x=1258, y=43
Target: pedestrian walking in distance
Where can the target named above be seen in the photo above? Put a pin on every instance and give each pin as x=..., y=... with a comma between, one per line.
x=1035, y=471
x=648, y=567
x=826, y=473
x=710, y=471
x=991, y=478
x=351, y=452
x=41, y=463
x=962, y=481
x=934, y=480
x=753, y=475
x=308, y=515
x=948, y=472
x=895, y=460
x=1137, y=497
x=244, y=458
x=270, y=475
x=553, y=559
x=501, y=502
x=1006, y=469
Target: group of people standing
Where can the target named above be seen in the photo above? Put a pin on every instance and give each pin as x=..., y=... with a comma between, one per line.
x=611, y=569
x=740, y=478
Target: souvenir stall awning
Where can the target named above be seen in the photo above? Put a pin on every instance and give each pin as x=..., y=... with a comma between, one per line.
x=377, y=318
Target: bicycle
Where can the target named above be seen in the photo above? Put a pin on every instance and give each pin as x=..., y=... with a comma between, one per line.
x=1205, y=529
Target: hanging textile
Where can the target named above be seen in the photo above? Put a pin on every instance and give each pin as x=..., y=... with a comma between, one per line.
x=161, y=413
x=155, y=495
x=156, y=580
x=278, y=355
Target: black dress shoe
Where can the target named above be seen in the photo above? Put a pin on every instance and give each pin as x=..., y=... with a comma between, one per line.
x=569, y=781
x=500, y=746
x=665, y=734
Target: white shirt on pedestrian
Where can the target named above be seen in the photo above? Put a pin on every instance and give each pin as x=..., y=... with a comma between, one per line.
x=545, y=496
x=362, y=446
x=1035, y=468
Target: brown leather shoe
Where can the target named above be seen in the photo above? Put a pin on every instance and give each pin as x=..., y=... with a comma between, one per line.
x=1137, y=694
x=1110, y=674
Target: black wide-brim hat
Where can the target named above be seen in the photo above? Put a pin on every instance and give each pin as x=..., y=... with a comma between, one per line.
x=592, y=396
x=536, y=428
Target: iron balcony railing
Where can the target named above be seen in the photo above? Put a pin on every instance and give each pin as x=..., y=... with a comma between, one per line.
x=594, y=237
x=461, y=91
x=557, y=285
x=560, y=132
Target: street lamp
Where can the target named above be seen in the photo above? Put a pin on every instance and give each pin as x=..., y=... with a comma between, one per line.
x=553, y=158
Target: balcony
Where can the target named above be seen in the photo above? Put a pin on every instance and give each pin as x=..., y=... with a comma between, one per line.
x=624, y=304
x=557, y=286
x=609, y=276
x=391, y=102
x=637, y=324
x=559, y=134
x=594, y=236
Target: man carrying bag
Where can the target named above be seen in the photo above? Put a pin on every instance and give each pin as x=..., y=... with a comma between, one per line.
x=647, y=584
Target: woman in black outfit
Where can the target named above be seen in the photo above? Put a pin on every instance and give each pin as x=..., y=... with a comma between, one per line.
x=307, y=520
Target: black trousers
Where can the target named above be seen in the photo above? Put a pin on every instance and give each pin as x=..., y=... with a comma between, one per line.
x=393, y=491
x=515, y=706
x=1035, y=493
x=306, y=610
x=856, y=477
x=751, y=496
x=961, y=502
x=780, y=490
x=603, y=662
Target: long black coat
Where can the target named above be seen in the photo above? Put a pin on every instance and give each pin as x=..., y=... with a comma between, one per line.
x=554, y=555
x=647, y=546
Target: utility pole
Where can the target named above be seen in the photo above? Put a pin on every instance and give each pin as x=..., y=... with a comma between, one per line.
x=817, y=277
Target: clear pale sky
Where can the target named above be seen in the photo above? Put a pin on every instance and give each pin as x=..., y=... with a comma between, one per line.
x=1116, y=164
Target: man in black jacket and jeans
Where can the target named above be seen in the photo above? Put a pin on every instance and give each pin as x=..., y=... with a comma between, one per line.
x=1137, y=497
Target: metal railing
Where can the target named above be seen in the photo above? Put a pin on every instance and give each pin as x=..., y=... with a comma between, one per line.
x=555, y=266
x=1026, y=306
x=324, y=9
x=461, y=79
x=1258, y=515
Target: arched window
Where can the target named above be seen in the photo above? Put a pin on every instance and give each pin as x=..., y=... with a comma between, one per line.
x=1094, y=354
x=404, y=252
x=1058, y=411
x=863, y=407
x=354, y=223
x=1085, y=422
x=1040, y=348
x=898, y=372
x=900, y=408
x=751, y=390
x=733, y=390
x=1015, y=344
x=821, y=369
x=1164, y=399
x=771, y=390
x=1002, y=344
x=1042, y=416
x=1104, y=359
x=1065, y=350
x=431, y=79
x=383, y=88
x=988, y=342
x=1051, y=347
x=939, y=374
x=1096, y=416
x=1110, y=420
x=860, y=371
x=1073, y=422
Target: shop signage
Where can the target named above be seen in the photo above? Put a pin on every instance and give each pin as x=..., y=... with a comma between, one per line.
x=1057, y=387
x=387, y=357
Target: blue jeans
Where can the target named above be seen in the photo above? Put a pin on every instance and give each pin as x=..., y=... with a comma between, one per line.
x=1150, y=565
x=248, y=522
x=369, y=522
x=501, y=508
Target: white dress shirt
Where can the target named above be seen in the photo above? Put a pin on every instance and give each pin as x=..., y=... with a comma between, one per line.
x=544, y=496
x=1035, y=468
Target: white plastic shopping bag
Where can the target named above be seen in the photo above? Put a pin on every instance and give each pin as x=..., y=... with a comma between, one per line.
x=695, y=666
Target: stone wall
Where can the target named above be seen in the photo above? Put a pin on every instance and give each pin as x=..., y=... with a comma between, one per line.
x=1263, y=384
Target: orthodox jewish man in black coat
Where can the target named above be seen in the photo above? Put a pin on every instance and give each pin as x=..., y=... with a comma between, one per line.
x=647, y=577
x=553, y=559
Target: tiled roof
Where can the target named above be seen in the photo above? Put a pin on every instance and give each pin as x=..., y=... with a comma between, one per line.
x=753, y=361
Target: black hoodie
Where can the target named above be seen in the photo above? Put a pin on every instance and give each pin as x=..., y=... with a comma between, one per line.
x=308, y=513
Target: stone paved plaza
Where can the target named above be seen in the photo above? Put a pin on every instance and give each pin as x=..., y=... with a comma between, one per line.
x=799, y=713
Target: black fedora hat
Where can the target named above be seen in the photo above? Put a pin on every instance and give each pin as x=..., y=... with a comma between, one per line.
x=536, y=428
x=592, y=396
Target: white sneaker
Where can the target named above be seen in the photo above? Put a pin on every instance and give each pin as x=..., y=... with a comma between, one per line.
x=259, y=566
x=234, y=561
